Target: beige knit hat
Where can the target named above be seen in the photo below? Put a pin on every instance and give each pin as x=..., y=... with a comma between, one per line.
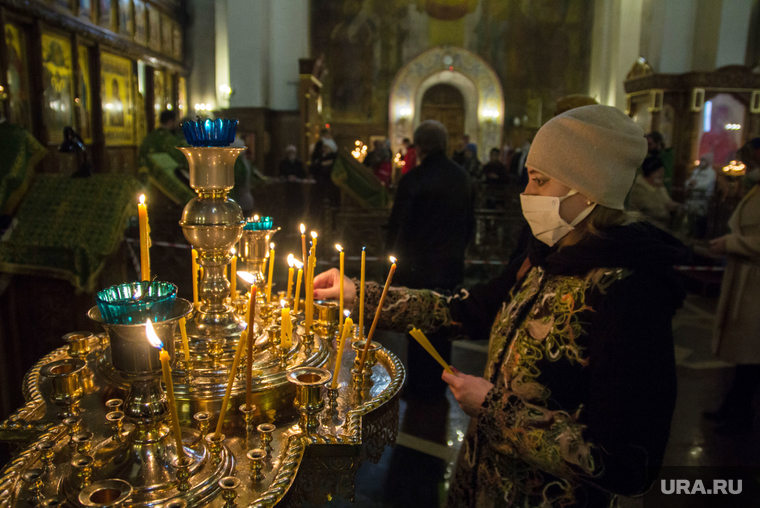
x=594, y=150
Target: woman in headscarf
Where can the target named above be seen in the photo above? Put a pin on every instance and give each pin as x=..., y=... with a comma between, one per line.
x=579, y=389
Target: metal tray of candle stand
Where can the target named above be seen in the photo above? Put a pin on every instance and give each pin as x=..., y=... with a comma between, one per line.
x=302, y=467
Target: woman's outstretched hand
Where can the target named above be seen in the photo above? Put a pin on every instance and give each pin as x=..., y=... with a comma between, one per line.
x=470, y=391
x=327, y=287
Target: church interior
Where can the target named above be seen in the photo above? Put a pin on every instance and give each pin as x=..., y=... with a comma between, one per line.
x=215, y=157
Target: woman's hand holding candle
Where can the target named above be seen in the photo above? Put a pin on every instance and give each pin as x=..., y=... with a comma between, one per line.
x=327, y=287
x=470, y=391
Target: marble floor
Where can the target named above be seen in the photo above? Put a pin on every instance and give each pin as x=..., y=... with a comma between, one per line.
x=415, y=472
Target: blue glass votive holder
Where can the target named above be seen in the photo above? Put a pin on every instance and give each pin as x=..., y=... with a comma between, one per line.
x=262, y=224
x=136, y=302
x=208, y=132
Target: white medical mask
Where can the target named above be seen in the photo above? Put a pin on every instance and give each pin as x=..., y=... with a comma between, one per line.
x=542, y=213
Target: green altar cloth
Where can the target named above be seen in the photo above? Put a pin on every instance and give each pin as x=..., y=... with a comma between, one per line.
x=158, y=158
x=19, y=153
x=359, y=182
x=67, y=227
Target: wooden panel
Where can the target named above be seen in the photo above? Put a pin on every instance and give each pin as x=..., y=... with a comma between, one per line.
x=445, y=103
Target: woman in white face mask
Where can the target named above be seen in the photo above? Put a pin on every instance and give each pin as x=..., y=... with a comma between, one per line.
x=576, y=400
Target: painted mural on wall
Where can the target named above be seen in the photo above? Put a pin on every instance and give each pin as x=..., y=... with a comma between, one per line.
x=116, y=90
x=540, y=49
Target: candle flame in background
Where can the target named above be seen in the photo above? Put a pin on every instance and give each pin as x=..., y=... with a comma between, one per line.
x=256, y=218
x=152, y=337
x=393, y=260
x=696, y=162
x=735, y=167
x=360, y=151
x=291, y=260
x=246, y=276
x=338, y=247
x=233, y=251
x=271, y=245
x=283, y=303
x=297, y=264
x=303, y=229
x=142, y=199
x=346, y=313
x=314, y=234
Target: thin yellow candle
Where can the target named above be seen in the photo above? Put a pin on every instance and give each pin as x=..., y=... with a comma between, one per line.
x=310, y=294
x=167, y=373
x=230, y=382
x=196, y=270
x=271, y=270
x=142, y=212
x=233, y=274
x=291, y=259
x=346, y=330
x=361, y=293
x=314, y=241
x=299, y=277
x=185, y=343
x=342, y=271
x=285, y=340
x=303, y=244
x=377, y=313
x=424, y=342
x=249, y=343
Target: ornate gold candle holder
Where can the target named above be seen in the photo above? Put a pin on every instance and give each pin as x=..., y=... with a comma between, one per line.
x=214, y=444
x=116, y=421
x=73, y=426
x=309, y=402
x=327, y=314
x=83, y=442
x=33, y=480
x=79, y=344
x=182, y=466
x=212, y=224
x=248, y=414
x=114, y=404
x=308, y=343
x=47, y=452
x=203, y=420
x=82, y=467
x=254, y=247
x=229, y=484
x=358, y=347
x=66, y=381
x=265, y=432
x=257, y=456
x=105, y=493
x=332, y=398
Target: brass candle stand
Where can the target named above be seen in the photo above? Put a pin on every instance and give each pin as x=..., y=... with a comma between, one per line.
x=309, y=401
x=254, y=249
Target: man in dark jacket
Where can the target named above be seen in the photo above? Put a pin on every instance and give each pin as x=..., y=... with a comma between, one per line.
x=430, y=226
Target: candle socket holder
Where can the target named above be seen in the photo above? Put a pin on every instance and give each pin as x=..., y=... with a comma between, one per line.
x=257, y=456
x=203, y=420
x=308, y=342
x=33, y=480
x=83, y=470
x=114, y=405
x=273, y=333
x=309, y=402
x=240, y=305
x=73, y=426
x=83, y=442
x=254, y=247
x=79, y=344
x=215, y=351
x=358, y=347
x=182, y=465
x=327, y=317
x=282, y=355
x=265, y=432
x=228, y=484
x=105, y=494
x=332, y=399
x=357, y=379
x=47, y=452
x=66, y=380
x=186, y=368
x=116, y=421
x=248, y=416
x=214, y=444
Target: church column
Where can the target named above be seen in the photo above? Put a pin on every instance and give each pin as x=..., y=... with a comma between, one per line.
x=735, y=17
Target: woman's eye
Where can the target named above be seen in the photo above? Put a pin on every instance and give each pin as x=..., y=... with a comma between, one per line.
x=539, y=182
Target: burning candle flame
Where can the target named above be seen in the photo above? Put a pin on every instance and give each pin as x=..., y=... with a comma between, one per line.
x=152, y=337
x=271, y=245
x=291, y=260
x=314, y=234
x=142, y=199
x=303, y=229
x=297, y=264
x=256, y=218
x=283, y=303
x=338, y=247
x=393, y=260
x=233, y=251
x=346, y=313
x=246, y=276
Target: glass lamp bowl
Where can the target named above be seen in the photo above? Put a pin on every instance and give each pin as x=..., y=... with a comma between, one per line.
x=136, y=302
x=260, y=224
x=208, y=132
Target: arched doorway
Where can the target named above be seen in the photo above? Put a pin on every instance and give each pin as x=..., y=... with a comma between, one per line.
x=473, y=77
x=445, y=103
